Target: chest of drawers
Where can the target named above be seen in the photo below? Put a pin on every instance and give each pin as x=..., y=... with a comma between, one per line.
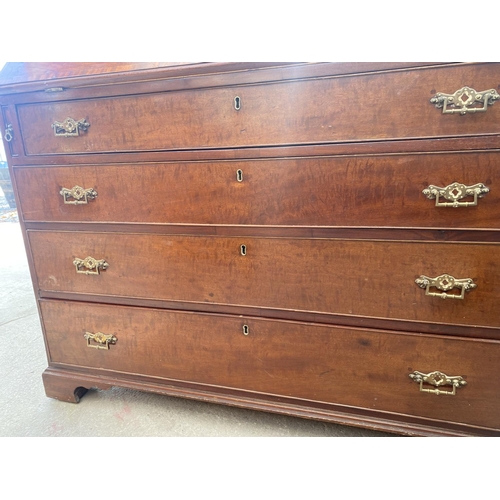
x=319, y=240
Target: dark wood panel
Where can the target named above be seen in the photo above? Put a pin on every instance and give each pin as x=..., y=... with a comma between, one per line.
x=358, y=108
x=365, y=278
x=368, y=369
x=368, y=191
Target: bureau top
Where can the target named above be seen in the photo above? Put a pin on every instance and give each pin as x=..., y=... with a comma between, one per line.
x=39, y=76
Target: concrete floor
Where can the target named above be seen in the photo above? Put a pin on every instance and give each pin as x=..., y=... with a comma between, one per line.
x=26, y=411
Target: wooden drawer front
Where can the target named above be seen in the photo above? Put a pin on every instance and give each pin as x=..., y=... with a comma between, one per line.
x=368, y=369
x=367, y=278
x=358, y=108
x=335, y=191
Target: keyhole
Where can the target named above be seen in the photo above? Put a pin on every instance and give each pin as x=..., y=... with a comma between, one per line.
x=243, y=249
x=246, y=330
x=237, y=103
x=239, y=175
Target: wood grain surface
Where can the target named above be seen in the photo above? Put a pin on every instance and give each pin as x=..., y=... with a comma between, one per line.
x=358, y=108
x=316, y=250
x=381, y=191
x=365, y=278
x=361, y=368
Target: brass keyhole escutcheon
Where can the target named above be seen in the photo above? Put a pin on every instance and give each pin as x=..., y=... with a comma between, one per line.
x=243, y=250
x=246, y=330
x=239, y=175
x=237, y=103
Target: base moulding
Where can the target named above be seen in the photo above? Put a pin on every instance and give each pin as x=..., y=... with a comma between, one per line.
x=70, y=386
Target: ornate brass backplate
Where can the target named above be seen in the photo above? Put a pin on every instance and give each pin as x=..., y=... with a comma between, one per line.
x=99, y=340
x=89, y=265
x=437, y=379
x=70, y=127
x=463, y=101
x=445, y=282
x=80, y=195
x=454, y=193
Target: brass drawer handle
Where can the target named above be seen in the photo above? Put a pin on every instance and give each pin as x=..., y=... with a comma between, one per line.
x=80, y=195
x=437, y=379
x=70, y=127
x=454, y=193
x=462, y=99
x=99, y=340
x=90, y=265
x=9, y=133
x=445, y=282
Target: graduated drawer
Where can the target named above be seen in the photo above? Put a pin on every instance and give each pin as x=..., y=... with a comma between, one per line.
x=356, y=278
x=352, y=367
x=389, y=105
x=328, y=191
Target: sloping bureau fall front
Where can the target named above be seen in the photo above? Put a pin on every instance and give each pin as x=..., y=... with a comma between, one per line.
x=319, y=240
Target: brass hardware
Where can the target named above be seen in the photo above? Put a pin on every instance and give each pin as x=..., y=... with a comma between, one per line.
x=463, y=98
x=455, y=192
x=101, y=340
x=445, y=282
x=90, y=265
x=437, y=379
x=239, y=175
x=9, y=133
x=80, y=195
x=237, y=103
x=54, y=89
x=70, y=127
x=243, y=250
x=246, y=330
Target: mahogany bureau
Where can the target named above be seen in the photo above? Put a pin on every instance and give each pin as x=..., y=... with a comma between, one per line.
x=318, y=240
